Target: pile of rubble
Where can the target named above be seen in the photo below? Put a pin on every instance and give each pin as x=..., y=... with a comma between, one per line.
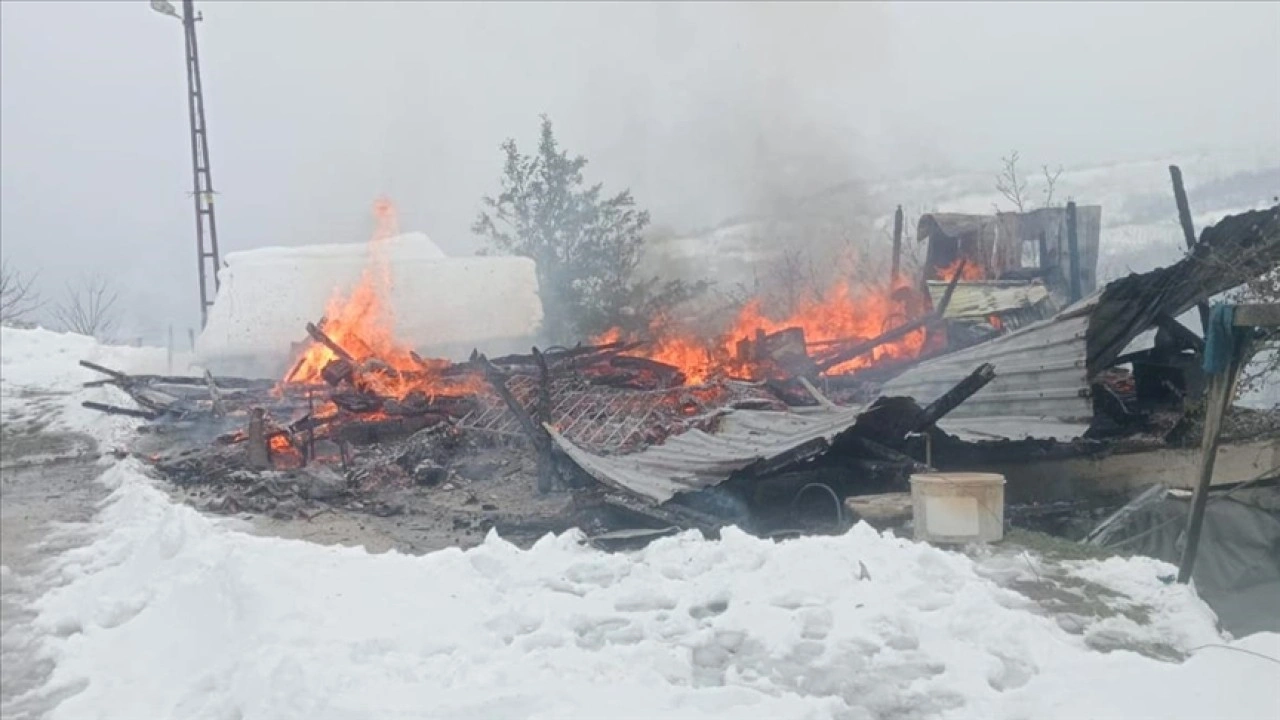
x=626, y=444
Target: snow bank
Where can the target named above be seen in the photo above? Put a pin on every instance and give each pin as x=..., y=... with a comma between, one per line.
x=442, y=306
x=41, y=379
x=165, y=613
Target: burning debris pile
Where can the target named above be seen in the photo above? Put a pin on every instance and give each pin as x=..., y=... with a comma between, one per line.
x=358, y=414
x=639, y=436
x=368, y=427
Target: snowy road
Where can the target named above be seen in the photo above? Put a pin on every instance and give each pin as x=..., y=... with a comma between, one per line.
x=45, y=481
x=155, y=610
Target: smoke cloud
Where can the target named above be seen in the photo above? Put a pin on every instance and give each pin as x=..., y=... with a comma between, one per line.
x=706, y=111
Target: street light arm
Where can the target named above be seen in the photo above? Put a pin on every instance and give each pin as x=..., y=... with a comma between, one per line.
x=164, y=7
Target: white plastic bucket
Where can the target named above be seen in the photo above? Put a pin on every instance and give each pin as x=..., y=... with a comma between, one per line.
x=958, y=507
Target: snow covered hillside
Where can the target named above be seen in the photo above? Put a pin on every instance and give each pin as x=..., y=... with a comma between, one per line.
x=162, y=612
x=1140, y=226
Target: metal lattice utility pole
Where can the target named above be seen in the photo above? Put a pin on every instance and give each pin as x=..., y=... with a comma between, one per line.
x=202, y=182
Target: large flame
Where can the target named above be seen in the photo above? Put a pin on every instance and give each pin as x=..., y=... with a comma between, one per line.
x=843, y=313
x=362, y=322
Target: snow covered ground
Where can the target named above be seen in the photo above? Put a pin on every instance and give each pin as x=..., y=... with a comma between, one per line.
x=161, y=612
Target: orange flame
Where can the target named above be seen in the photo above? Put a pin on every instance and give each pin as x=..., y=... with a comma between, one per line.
x=362, y=324
x=972, y=271
x=842, y=313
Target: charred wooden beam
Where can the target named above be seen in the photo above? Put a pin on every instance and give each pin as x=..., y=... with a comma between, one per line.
x=1263, y=315
x=337, y=371
x=847, y=354
x=897, y=243
x=368, y=432
x=1073, y=253
x=952, y=398
x=116, y=410
x=115, y=374
x=357, y=402
x=544, y=387
x=1188, y=232
x=817, y=395
x=319, y=336
x=553, y=357
x=877, y=451
x=258, y=454
x=801, y=453
x=1184, y=336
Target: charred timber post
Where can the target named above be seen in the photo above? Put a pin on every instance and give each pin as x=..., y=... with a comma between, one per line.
x=544, y=387
x=1188, y=231
x=318, y=335
x=1218, y=398
x=952, y=398
x=1073, y=250
x=901, y=331
x=215, y=396
x=897, y=242
x=537, y=434
x=311, y=428
x=259, y=457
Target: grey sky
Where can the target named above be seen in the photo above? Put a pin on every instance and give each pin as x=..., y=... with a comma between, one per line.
x=705, y=111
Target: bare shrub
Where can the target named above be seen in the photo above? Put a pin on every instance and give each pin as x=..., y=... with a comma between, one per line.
x=18, y=297
x=1050, y=182
x=1009, y=184
x=88, y=308
x=1014, y=187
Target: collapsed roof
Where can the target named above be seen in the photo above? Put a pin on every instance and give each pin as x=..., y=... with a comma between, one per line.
x=1042, y=379
x=1045, y=370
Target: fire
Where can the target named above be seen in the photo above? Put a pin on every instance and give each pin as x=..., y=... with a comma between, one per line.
x=361, y=323
x=972, y=271
x=841, y=314
x=283, y=453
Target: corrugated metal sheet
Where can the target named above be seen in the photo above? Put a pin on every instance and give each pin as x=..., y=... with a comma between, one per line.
x=988, y=429
x=1040, y=372
x=978, y=300
x=696, y=459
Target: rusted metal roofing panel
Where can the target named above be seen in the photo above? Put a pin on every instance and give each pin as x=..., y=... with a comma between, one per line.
x=980, y=299
x=696, y=459
x=1040, y=372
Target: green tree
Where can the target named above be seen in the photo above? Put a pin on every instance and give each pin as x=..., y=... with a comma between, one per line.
x=586, y=244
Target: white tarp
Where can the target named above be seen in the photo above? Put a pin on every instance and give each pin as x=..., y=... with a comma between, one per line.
x=441, y=306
